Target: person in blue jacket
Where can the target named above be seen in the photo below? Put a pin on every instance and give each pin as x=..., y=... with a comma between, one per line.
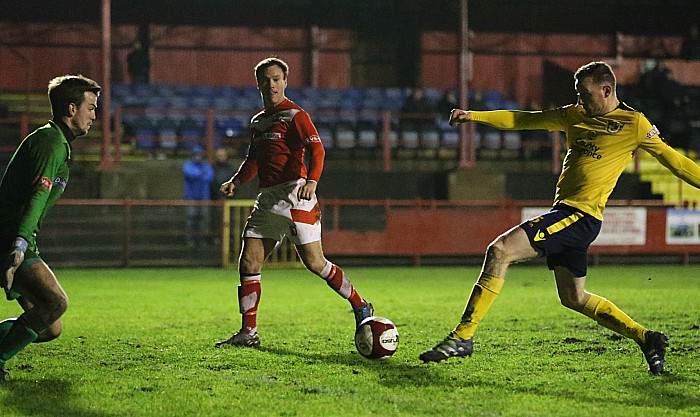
x=198, y=176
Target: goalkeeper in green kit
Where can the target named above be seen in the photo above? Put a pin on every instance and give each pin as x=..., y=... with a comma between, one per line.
x=34, y=179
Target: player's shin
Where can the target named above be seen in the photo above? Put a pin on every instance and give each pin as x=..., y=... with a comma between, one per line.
x=5, y=326
x=17, y=338
x=609, y=316
x=483, y=294
x=336, y=279
x=248, y=300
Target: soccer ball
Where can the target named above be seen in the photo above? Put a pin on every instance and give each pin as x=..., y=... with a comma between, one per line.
x=376, y=338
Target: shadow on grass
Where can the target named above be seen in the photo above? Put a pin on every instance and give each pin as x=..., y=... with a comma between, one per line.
x=43, y=398
x=390, y=372
x=663, y=392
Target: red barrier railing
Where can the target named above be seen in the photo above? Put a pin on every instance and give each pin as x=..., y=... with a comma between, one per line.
x=125, y=233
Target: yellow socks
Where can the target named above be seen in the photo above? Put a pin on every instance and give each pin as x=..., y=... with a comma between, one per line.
x=488, y=287
x=483, y=294
x=611, y=317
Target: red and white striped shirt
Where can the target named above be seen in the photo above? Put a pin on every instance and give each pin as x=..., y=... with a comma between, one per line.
x=279, y=140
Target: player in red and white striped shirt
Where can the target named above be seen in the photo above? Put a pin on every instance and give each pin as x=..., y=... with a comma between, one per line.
x=281, y=134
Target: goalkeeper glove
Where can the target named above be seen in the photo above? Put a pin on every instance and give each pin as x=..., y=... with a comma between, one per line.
x=13, y=261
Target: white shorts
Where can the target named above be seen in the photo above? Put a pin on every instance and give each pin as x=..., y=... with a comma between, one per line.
x=278, y=213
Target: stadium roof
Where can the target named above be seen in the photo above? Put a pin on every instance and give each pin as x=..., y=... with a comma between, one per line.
x=661, y=17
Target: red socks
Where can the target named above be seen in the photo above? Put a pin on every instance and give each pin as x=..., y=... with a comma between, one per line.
x=248, y=300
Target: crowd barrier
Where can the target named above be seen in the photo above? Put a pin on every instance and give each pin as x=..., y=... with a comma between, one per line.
x=154, y=233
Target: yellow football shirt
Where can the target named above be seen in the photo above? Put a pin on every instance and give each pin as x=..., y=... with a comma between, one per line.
x=597, y=149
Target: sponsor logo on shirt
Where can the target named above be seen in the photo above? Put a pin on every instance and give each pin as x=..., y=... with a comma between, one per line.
x=46, y=183
x=614, y=127
x=60, y=181
x=271, y=136
x=588, y=147
x=313, y=138
x=653, y=132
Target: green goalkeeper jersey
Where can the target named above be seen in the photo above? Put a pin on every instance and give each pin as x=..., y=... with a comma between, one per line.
x=34, y=180
x=598, y=149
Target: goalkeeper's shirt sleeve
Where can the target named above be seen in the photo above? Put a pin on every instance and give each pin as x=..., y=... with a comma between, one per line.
x=46, y=157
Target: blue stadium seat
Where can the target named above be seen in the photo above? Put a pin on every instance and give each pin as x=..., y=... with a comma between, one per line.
x=200, y=102
x=450, y=139
x=157, y=101
x=167, y=135
x=433, y=95
x=230, y=127
x=345, y=136
x=145, y=137
x=325, y=132
x=511, y=105
x=179, y=102
x=410, y=139
x=430, y=138
x=494, y=99
x=144, y=90
x=491, y=140
x=222, y=102
x=192, y=130
x=511, y=140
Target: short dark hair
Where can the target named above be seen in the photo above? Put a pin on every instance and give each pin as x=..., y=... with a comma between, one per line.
x=599, y=71
x=268, y=62
x=68, y=89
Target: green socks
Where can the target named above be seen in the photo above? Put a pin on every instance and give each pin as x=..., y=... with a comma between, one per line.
x=17, y=338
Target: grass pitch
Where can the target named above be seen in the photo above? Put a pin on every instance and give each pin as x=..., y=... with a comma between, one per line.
x=140, y=343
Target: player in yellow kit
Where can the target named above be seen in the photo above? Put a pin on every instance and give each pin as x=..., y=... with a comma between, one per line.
x=602, y=135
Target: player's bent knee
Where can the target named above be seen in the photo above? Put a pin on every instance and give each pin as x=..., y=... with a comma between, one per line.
x=572, y=302
x=52, y=332
x=57, y=307
x=316, y=265
x=496, y=250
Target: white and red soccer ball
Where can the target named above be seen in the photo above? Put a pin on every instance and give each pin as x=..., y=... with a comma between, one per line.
x=376, y=338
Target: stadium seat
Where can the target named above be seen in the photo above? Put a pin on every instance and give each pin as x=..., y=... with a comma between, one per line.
x=433, y=95
x=511, y=140
x=200, y=102
x=491, y=140
x=179, y=102
x=325, y=132
x=450, y=139
x=167, y=133
x=410, y=139
x=494, y=100
x=229, y=127
x=345, y=136
x=367, y=137
x=430, y=138
x=145, y=137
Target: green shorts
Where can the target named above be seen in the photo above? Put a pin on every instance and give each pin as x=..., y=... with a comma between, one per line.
x=30, y=258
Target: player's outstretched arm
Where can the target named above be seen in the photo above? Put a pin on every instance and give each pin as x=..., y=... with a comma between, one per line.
x=681, y=166
x=458, y=116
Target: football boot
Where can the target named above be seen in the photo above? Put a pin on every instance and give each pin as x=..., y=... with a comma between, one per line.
x=363, y=312
x=654, y=349
x=241, y=338
x=451, y=346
